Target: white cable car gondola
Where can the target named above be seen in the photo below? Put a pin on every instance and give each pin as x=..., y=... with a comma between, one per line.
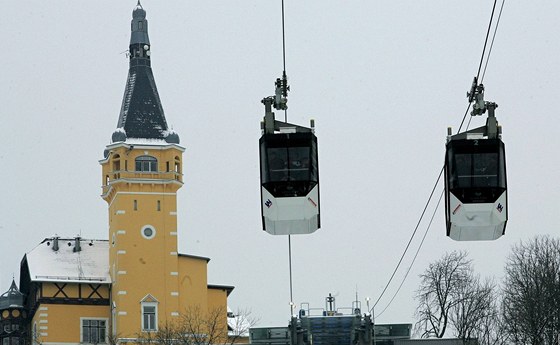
x=475, y=179
x=289, y=173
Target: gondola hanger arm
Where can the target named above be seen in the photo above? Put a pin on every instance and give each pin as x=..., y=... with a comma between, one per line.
x=271, y=125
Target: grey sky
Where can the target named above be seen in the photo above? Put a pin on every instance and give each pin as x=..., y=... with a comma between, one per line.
x=383, y=79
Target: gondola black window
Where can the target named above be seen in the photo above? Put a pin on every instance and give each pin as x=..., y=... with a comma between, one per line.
x=289, y=164
x=477, y=170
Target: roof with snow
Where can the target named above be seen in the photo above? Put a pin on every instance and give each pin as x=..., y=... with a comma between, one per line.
x=88, y=264
x=141, y=113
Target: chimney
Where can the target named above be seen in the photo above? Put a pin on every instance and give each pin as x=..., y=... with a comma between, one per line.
x=55, y=243
x=77, y=247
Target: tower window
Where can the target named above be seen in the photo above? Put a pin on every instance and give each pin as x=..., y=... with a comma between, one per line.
x=146, y=164
x=149, y=316
x=159, y=205
x=94, y=331
x=135, y=205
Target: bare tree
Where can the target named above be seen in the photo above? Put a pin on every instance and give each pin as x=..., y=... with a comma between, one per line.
x=194, y=327
x=531, y=303
x=452, y=297
x=472, y=305
x=491, y=329
x=438, y=291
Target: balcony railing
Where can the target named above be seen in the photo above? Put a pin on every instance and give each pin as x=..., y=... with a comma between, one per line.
x=144, y=175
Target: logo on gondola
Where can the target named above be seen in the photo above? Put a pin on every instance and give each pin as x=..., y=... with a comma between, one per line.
x=311, y=201
x=268, y=203
x=500, y=208
x=456, y=209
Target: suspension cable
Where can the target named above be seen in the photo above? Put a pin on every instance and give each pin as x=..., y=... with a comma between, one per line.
x=492, y=43
x=486, y=40
x=409, y=241
x=283, y=39
x=284, y=59
x=415, y=255
x=286, y=120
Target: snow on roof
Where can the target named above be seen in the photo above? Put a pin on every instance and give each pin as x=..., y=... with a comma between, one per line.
x=90, y=264
x=146, y=141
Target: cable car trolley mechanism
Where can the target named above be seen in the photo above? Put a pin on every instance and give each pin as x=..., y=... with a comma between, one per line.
x=289, y=171
x=475, y=177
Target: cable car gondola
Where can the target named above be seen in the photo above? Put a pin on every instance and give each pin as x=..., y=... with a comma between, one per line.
x=289, y=174
x=475, y=180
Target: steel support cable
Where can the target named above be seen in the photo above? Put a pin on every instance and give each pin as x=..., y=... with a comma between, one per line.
x=409, y=241
x=415, y=255
x=286, y=120
x=493, y=38
x=486, y=40
x=284, y=58
x=283, y=39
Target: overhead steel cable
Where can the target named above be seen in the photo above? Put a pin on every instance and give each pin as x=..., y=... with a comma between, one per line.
x=283, y=39
x=409, y=241
x=441, y=171
x=493, y=37
x=486, y=40
x=415, y=255
x=284, y=78
x=286, y=120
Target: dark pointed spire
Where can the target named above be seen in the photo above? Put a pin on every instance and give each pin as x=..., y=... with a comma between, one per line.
x=141, y=114
x=12, y=297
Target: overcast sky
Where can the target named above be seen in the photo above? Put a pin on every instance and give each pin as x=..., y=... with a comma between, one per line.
x=382, y=79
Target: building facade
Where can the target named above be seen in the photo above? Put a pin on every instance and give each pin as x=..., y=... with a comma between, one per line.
x=77, y=290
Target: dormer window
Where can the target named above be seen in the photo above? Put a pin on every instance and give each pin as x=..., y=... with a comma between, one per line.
x=146, y=164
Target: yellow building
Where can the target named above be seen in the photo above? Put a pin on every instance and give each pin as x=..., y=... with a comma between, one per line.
x=136, y=282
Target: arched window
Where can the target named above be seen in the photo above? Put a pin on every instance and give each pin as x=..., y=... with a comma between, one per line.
x=146, y=164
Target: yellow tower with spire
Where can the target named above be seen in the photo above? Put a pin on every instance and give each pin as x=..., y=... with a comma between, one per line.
x=151, y=283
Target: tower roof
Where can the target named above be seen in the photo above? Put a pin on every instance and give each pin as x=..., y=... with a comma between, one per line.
x=141, y=115
x=11, y=298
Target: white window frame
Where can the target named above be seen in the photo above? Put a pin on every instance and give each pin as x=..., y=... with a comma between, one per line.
x=149, y=304
x=82, y=319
